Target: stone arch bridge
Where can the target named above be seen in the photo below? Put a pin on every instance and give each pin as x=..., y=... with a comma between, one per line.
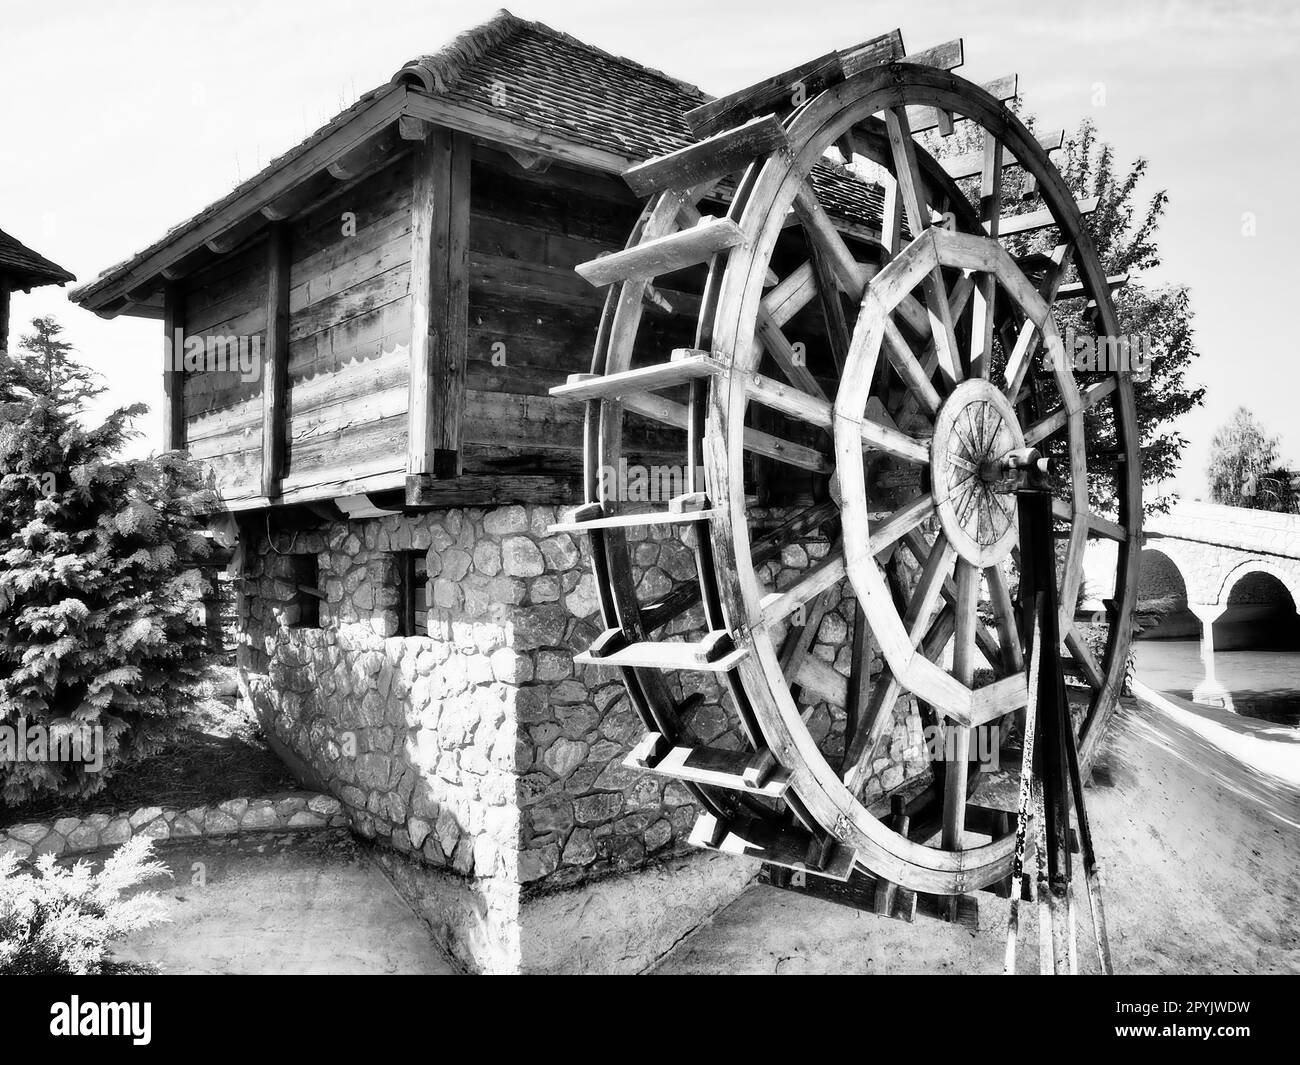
x=1221, y=556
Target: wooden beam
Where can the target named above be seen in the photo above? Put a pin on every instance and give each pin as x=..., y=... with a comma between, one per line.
x=297, y=199
x=410, y=128
x=710, y=159
x=533, y=162
x=664, y=255
x=781, y=92
x=366, y=157
x=173, y=372
x=275, y=359
x=880, y=50
x=233, y=236
x=947, y=56
x=439, y=303
x=4, y=319
x=487, y=490
x=187, y=264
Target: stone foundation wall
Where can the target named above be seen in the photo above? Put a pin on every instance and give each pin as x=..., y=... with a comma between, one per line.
x=480, y=749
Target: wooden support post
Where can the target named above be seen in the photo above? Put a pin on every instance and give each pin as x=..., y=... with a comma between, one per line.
x=275, y=359
x=439, y=305
x=4, y=318
x=173, y=438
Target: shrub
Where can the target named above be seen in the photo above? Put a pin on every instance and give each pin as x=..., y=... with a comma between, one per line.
x=58, y=920
x=99, y=620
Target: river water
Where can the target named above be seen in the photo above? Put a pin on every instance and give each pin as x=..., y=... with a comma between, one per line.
x=1264, y=684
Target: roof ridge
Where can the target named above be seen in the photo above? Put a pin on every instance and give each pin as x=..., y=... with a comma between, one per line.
x=439, y=71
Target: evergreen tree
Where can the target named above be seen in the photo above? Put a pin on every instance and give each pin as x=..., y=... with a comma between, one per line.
x=48, y=361
x=99, y=626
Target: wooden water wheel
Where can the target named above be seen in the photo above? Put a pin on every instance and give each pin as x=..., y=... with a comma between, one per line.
x=936, y=332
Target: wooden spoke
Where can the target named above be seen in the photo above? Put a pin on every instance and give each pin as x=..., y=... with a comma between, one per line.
x=774, y=342
x=901, y=522
x=911, y=186
x=1056, y=421
x=851, y=274
x=954, y=788
x=880, y=437
x=943, y=334
x=910, y=369
x=800, y=638
x=773, y=447
x=828, y=572
x=824, y=245
x=884, y=694
x=1092, y=671
x=990, y=209
x=791, y=401
x=859, y=671
x=1004, y=614
x=961, y=295
x=1028, y=340
x=937, y=567
x=906, y=170
x=1096, y=523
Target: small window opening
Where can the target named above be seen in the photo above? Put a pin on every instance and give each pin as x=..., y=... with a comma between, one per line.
x=305, y=609
x=413, y=593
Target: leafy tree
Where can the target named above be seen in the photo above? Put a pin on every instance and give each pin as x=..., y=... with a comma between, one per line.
x=98, y=625
x=1125, y=230
x=1244, y=469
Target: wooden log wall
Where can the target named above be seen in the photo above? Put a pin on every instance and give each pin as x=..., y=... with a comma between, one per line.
x=346, y=386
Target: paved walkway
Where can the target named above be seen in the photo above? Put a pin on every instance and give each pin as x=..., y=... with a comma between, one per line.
x=302, y=905
x=1199, y=843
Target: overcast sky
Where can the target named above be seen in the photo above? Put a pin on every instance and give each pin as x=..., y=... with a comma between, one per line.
x=121, y=119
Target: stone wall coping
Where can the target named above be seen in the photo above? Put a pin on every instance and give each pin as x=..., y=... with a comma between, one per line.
x=293, y=811
x=1186, y=520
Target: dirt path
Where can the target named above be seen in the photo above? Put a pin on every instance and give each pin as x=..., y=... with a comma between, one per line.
x=302, y=905
x=1200, y=846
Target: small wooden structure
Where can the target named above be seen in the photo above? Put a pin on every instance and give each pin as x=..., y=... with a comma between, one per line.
x=23, y=269
x=404, y=281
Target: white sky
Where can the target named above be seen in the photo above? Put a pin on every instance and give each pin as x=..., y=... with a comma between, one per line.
x=121, y=118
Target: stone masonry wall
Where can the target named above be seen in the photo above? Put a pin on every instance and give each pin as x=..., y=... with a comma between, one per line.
x=481, y=748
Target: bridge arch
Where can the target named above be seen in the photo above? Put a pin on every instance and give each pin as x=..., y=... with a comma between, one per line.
x=1243, y=570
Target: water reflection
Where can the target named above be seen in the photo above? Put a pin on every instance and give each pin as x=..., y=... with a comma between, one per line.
x=1264, y=684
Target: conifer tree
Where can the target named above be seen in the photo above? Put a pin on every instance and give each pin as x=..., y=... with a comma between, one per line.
x=100, y=625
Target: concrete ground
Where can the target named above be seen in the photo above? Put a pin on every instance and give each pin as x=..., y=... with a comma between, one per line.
x=1196, y=815
x=282, y=904
x=1199, y=840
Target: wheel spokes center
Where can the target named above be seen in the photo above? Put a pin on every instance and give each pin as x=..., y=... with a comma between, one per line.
x=977, y=445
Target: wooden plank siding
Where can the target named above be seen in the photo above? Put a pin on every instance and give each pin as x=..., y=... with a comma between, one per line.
x=531, y=322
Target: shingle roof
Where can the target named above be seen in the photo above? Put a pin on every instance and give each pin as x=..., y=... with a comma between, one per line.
x=553, y=84
x=26, y=267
